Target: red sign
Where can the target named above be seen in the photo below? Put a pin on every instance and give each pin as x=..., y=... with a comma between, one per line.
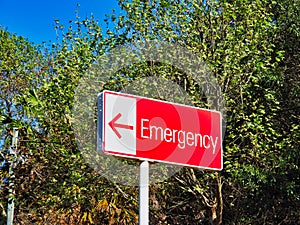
x=147, y=129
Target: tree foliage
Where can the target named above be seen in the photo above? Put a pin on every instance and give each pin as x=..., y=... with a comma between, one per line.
x=252, y=49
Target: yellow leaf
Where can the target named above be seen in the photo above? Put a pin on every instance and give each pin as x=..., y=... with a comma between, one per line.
x=83, y=218
x=102, y=205
x=90, y=218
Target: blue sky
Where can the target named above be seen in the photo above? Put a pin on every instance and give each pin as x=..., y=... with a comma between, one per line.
x=34, y=19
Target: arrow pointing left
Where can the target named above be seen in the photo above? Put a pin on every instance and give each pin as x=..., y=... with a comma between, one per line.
x=113, y=124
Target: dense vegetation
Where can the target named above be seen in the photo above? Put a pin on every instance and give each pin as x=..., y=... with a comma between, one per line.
x=252, y=49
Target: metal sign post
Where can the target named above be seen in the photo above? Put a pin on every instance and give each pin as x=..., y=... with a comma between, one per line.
x=12, y=161
x=144, y=194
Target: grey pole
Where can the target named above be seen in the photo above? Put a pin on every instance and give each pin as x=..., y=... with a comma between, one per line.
x=144, y=194
x=11, y=177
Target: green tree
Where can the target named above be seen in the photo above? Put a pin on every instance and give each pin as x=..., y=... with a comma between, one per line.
x=21, y=67
x=252, y=49
x=64, y=189
x=242, y=43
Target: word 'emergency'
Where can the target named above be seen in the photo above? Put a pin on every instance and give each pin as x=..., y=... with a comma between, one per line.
x=181, y=137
